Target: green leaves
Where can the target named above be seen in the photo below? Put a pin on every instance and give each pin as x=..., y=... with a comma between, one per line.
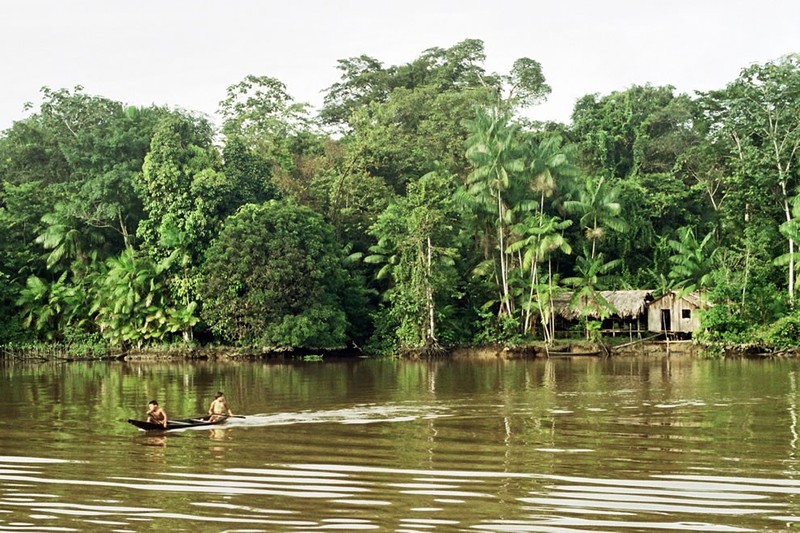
x=259, y=112
x=593, y=274
x=133, y=305
x=494, y=149
x=599, y=208
x=416, y=237
x=48, y=308
x=527, y=83
x=693, y=261
x=539, y=236
x=754, y=122
x=109, y=211
x=274, y=277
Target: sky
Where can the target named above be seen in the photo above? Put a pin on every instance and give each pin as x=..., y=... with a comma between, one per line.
x=185, y=53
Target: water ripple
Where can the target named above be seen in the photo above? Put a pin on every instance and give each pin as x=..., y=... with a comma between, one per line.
x=347, y=497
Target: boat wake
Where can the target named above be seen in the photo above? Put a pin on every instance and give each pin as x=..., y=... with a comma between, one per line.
x=359, y=414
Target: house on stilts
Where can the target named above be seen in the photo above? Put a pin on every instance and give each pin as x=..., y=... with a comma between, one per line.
x=635, y=312
x=673, y=312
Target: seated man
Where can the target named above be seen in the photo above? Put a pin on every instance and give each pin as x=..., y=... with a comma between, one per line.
x=219, y=408
x=156, y=415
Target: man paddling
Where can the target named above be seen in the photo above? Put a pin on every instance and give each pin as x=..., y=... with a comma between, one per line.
x=219, y=408
x=156, y=415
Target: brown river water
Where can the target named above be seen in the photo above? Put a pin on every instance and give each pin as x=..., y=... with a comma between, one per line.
x=560, y=445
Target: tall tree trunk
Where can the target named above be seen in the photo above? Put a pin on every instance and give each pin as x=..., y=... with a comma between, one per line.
x=431, y=335
x=788, y=212
x=506, y=303
x=124, y=230
x=534, y=282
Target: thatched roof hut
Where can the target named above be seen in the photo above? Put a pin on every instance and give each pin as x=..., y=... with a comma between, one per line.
x=628, y=304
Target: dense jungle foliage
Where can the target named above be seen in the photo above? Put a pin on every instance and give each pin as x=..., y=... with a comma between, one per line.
x=418, y=207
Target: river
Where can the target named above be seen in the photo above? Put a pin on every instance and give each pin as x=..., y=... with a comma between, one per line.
x=560, y=445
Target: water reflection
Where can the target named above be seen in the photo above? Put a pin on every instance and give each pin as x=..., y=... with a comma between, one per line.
x=151, y=440
x=160, y=439
x=633, y=445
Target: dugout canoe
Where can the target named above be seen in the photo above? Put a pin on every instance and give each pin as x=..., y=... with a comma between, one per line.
x=177, y=424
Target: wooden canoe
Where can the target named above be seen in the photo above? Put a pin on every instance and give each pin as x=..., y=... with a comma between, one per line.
x=574, y=354
x=177, y=424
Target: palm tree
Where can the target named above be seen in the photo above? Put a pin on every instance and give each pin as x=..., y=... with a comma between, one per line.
x=599, y=208
x=541, y=235
x=593, y=276
x=550, y=165
x=693, y=261
x=65, y=240
x=133, y=302
x=49, y=307
x=496, y=155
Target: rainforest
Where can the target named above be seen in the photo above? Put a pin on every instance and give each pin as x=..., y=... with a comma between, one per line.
x=418, y=208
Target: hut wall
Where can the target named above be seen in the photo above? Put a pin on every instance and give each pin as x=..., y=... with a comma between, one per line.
x=683, y=315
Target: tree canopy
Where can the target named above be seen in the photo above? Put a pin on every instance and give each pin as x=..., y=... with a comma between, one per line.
x=417, y=207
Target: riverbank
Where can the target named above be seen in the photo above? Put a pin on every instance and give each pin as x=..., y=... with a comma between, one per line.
x=69, y=353
x=643, y=348
x=538, y=350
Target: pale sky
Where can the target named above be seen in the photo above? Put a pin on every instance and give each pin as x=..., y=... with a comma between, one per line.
x=185, y=53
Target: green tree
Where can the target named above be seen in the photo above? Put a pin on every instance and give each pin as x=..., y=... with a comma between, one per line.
x=274, y=277
x=65, y=240
x=541, y=235
x=67, y=189
x=184, y=195
x=609, y=129
x=756, y=118
x=549, y=167
x=260, y=112
x=415, y=243
x=49, y=307
x=645, y=140
x=403, y=120
x=524, y=86
x=132, y=301
x=365, y=81
x=248, y=174
x=599, y=208
x=81, y=152
x=20, y=219
x=592, y=275
x=693, y=261
x=103, y=144
x=496, y=154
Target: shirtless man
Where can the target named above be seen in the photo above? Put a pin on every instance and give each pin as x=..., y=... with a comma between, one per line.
x=156, y=415
x=219, y=408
